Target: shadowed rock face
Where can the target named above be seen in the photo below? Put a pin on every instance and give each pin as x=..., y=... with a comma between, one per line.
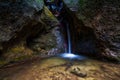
x=25, y=26
x=103, y=17
x=17, y=16
x=21, y=23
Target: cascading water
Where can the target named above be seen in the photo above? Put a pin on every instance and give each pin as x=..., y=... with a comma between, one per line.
x=69, y=53
x=69, y=39
x=57, y=6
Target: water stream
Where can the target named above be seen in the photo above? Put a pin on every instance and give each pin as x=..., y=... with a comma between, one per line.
x=69, y=39
x=66, y=27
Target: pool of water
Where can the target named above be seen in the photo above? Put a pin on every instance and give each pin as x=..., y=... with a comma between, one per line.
x=59, y=68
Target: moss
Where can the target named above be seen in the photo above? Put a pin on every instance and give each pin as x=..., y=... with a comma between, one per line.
x=22, y=58
x=3, y=62
x=48, y=18
x=17, y=53
x=17, y=49
x=47, y=14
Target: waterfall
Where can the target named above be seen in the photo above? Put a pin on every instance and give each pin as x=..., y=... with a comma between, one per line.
x=68, y=49
x=69, y=38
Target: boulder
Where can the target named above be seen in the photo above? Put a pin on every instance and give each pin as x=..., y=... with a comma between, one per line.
x=23, y=25
x=18, y=20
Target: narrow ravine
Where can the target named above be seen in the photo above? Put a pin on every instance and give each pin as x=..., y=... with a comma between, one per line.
x=55, y=7
x=51, y=61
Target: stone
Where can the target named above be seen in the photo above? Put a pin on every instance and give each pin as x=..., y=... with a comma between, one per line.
x=103, y=18
x=78, y=72
x=28, y=24
x=17, y=21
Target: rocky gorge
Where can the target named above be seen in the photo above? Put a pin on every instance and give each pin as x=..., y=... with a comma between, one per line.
x=37, y=29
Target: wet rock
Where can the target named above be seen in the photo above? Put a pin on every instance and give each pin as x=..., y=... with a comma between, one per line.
x=27, y=27
x=51, y=41
x=103, y=18
x=49, y=44
x=19, y=19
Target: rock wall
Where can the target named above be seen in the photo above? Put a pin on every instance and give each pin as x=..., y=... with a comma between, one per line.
x=16, y=17
x=103, y=17
x=21, y=23
x=28, y=28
